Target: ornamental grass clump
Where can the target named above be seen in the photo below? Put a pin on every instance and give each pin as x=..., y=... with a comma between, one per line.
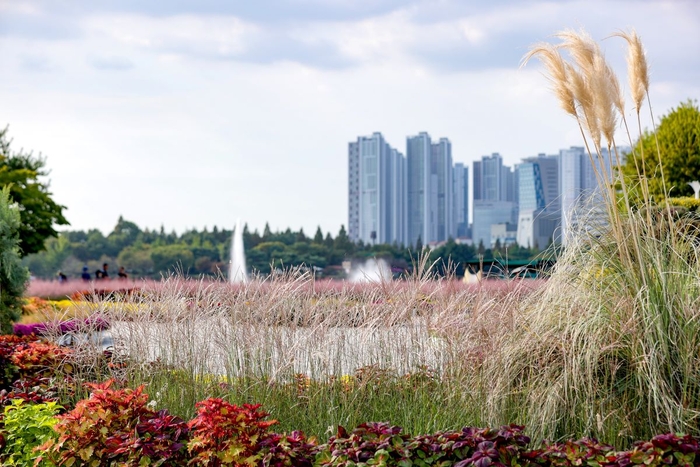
x=610, y=347
x=314, y=353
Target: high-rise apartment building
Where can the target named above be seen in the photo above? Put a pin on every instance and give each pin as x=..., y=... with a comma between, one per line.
x=443, y=175
x=476, y=179
x=354, y=191
x=577, y=182
x=492, y=178
x=376, y=189
x=538, y=183
x=420, y=187
x=494, y=197
x=489, y=213
x=581, y=198
x=461, y=199
x=538, y=201
x=392, y=198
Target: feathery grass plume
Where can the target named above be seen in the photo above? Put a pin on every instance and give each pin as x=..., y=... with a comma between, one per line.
x=615, y=90
x=603, y=89
x=637, y=67
x=584, y=51
x=612, y=342
x=581, y=46
x=583, y=95
x=600, y=80
x=558, y=72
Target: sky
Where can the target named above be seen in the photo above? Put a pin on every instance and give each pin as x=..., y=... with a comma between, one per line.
x=194, y=113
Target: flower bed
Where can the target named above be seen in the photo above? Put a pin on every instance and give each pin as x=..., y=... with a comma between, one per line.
x=117, y=425
x=62, y=327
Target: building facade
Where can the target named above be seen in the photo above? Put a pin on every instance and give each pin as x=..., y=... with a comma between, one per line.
x=494, y=197
x=422, y=201
x=443, y=176
x=488, y=213
x=461, y=200
x=539, y=212
x=376, y=187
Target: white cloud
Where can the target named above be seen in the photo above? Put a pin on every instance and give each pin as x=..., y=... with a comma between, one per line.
x=205, y=35
x=197, y=119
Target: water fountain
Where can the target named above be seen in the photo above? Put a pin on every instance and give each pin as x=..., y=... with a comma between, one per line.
x=238, y=272
x=373, y=270
x=696, y=188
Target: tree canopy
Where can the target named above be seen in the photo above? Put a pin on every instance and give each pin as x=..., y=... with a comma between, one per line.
x=678, y=136
x=154, y=253
x=13, y=275
x=20, y=172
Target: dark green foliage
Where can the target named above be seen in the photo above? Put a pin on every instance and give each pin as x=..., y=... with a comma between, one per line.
x=151, y=253
x=678, y=136
x=38, y=211
x=168, y=257
x=452, y=255
x=13, y=275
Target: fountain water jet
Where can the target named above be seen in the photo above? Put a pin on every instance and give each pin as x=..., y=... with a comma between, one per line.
x=373, y=270
x=237, y=271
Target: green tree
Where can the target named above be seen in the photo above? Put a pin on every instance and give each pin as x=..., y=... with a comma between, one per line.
x=38, y=211
x=168, y=257
x=342, y=242
x=137, y=259
x=267, y=233
x=124, y=234
x=452, y=254
x=318, y=236
x=678, y=136
x=13, y=276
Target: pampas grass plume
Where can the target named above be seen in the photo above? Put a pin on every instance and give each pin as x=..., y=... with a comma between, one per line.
x=638, y=69
x=606, y=96
x=581, y=46
x=558, y=71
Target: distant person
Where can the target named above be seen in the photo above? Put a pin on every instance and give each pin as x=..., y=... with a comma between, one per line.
x=122, y=273
x=105, y=274
x=62, y=277
x=85, y=276
x=98, y=274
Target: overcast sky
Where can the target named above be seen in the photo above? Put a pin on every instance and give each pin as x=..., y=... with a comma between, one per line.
x=193, y=113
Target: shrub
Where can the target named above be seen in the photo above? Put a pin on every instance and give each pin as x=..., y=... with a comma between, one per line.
x=8, y=370
x=158, y=439
x=225, y=434
x=35, y=390
x=292, y=450
x=116, y=427
x=39, y=358
x=63, y=327
x=26, y=426
x=13, y=276
x=667, y=449
x=585, y=451
x=383, y=444
x=369, y=443
x=689, y=203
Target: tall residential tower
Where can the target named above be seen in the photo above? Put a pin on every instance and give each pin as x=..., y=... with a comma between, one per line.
x=376, y=191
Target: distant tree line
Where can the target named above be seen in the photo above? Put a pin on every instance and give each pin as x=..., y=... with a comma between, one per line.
x=154, y=253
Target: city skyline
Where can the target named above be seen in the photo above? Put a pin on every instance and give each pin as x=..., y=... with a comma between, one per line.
x=424, y=196
x=192, y=114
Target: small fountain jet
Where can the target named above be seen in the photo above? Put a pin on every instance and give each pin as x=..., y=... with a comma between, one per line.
x=237, y=272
